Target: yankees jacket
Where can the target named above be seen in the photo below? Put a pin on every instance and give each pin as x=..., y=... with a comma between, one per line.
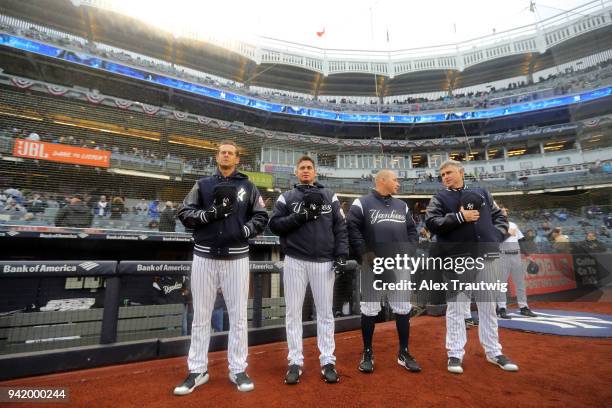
x=455, y=235
x=381, y=224
x=226, y=238
x=320, y=240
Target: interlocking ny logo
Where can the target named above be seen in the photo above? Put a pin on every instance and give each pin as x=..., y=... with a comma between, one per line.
x=470, y=206
x=88, y=266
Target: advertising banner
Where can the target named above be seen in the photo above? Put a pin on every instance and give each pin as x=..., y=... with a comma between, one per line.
x=61, y=153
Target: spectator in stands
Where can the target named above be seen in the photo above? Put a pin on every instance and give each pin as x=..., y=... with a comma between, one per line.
x=33, y=136
x=528, y=244
x=592, y=244
x=603, y=231
x=36, y=205
x=345, y=207
x=141, y=207
x=154, y=210
x=608, y=221
x=117, y=208
x=545, y=227
x=424, y=235
x=28, y=217
x=559, y=241
x=75, y=215
x=14, y=194
x=12, y=206
x=167, y=220
x=102, y=207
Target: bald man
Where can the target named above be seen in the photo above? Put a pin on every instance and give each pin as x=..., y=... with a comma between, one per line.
x=380, y=225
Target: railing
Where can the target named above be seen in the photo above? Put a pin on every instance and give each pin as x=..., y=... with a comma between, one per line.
x=537, y=37
x=38, y=320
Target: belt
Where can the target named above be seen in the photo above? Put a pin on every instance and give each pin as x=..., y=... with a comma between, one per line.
x=515, y=252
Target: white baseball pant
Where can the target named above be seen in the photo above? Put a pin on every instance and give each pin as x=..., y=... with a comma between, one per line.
x=232, y=276
x=297, y=274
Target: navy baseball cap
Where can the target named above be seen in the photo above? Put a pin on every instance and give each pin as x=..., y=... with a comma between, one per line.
x=471, y=200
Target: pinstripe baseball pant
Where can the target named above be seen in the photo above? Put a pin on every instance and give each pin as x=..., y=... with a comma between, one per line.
x=297, y=274
x=512, y=264
x=232, y=275
x=487, y=329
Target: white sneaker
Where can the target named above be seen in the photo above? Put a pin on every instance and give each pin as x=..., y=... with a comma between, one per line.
x=454, y=365
x=503, y=362
x=191, y=382
x=242, y=381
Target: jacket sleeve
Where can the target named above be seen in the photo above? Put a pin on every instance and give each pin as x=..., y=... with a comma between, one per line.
x=283, y=220
x=190, y=212
x=259, y=215
x=341, y=247
x=500, y=222
x=355, y=222
x=437, y=221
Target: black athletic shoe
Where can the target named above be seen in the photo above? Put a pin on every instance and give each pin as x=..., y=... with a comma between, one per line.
x=242, y=381
x=454, y=365
x=191, y=382
x=503, y=314
x=471, y=322
x=503, y=362
x=293, y=374
x=416, y=311
x=407, y=361
x=525, y=311
x=367, y=362
x=329, y=373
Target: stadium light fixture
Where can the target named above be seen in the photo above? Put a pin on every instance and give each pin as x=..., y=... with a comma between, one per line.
x=105, y=130
x=16, y=115
x=139, y=174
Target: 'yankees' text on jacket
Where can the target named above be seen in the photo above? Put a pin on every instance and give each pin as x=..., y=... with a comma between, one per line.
x=374, y=219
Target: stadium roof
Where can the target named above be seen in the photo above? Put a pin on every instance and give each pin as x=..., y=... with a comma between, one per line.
x=222, y=59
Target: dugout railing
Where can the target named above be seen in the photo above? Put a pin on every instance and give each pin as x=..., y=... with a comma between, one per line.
x=79, y=332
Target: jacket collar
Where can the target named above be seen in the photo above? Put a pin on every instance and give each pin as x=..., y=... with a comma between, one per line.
x=235, y=175
x=458, y=189
x=380, y=196
x=303, y=187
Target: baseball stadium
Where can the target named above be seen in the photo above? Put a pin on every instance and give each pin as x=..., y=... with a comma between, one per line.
x=198, y=200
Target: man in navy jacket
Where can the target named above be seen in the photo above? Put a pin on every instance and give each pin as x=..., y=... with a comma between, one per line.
x=313, y=238
x=224, y=211
x=468, y=223
x=380, y=225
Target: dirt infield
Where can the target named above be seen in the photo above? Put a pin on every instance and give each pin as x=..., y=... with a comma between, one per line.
x=554, y=371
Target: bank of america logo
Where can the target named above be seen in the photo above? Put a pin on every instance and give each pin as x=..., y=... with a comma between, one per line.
x=143, y=237
x=12, y=233
x=83, y=235
x=88, y=266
